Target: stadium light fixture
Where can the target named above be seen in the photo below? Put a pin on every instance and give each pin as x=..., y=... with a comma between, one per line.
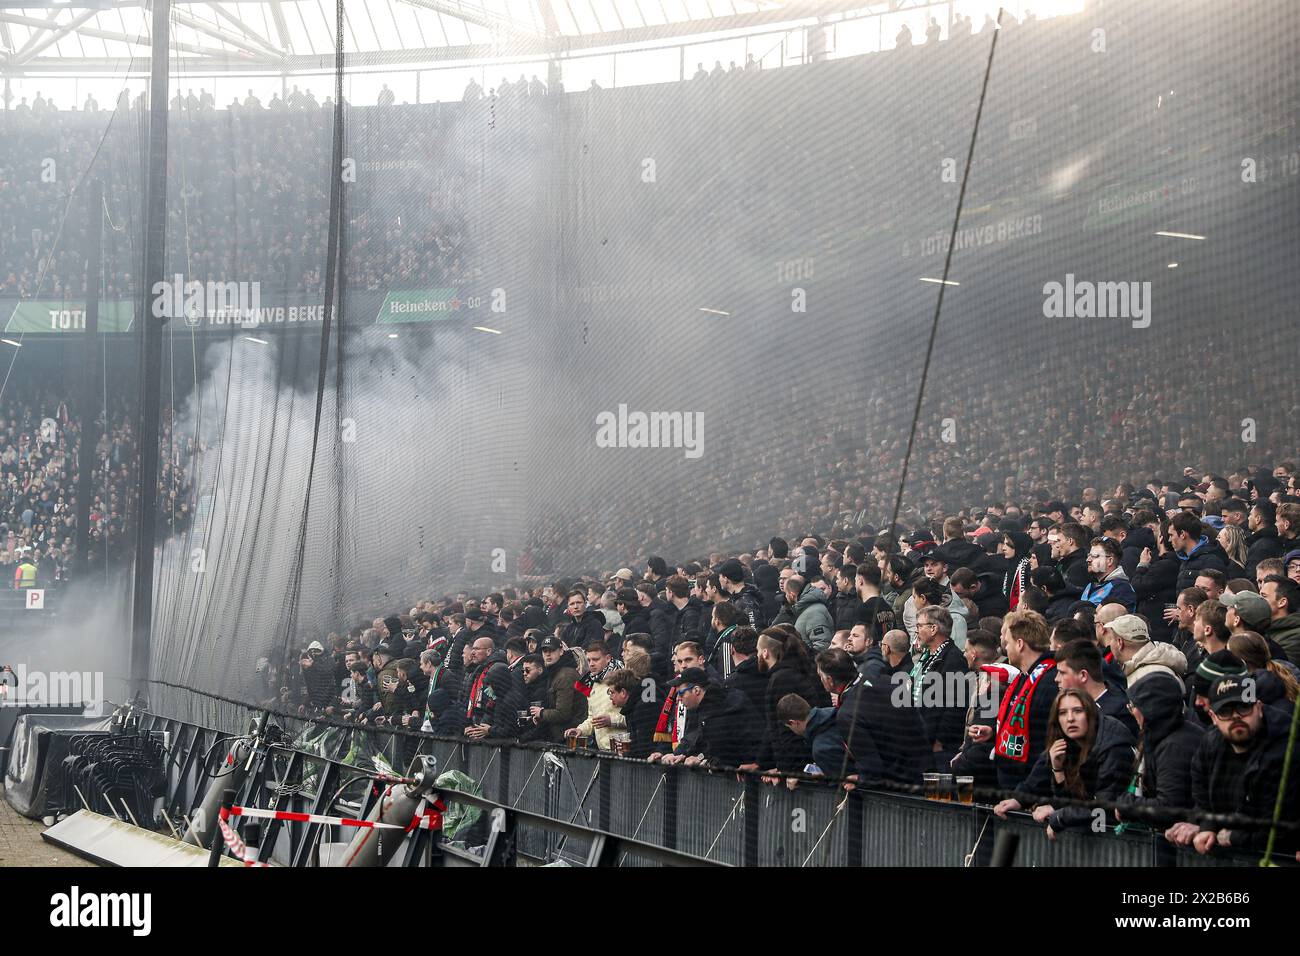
x=940, y=281
x=392, y=335
x=16, y=345
x=484, y=328
x=1179, y=235
x=1173, y=265
x=714, y=311
x=257, y=341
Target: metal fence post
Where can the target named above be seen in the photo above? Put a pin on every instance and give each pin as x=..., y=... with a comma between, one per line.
x=605, y=788
x=752, y=802
x=670, y=809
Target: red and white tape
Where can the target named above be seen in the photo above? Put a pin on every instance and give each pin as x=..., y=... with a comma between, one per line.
x=237, y=847
x=431, y=819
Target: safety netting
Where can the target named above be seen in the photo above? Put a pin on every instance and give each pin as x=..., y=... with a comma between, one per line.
x=544, y=312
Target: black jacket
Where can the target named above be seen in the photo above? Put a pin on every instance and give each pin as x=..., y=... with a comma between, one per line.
x=845, y=608
x=728, y=734
x=1135, y=542
x=1074, y=571
x=990, y=601
x=1170, y=738
x=663, y=622
x=750, y=681
x=691, y=623
x=963, y=554
x=318, y=680
x=944, y=699
x=750, y=603
x=1207, y=555
x=1260, y=546
x=1105, y=775
x=780, y=747
x=590, y=627
x=1155, y=586
x=883, y=742
x=497, y=701
x=1253, y=791
x=642, y=716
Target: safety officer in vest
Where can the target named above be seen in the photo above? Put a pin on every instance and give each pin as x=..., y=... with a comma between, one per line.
x=25, y=573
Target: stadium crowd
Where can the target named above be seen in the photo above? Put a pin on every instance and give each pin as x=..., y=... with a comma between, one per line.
x=1134, y=647
x=40, y=448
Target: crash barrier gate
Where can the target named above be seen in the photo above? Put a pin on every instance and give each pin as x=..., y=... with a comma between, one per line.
x=592, y=798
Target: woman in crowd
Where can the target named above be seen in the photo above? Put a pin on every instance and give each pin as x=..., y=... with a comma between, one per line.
x=1088, y=757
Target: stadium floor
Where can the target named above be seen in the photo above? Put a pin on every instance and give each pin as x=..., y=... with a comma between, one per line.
x=21, y=843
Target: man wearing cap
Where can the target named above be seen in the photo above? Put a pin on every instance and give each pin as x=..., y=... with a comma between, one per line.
x=586, y=624
x=1246, y=611
x=726, y=735
x=1170, y=737
x=564, y=707
x=622, y=578
x=1238, y=770
x=936, y=569
x=385, y=683
x=1130, y=643
x=744, y=596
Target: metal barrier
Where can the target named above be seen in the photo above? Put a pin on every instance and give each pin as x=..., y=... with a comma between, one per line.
x=565, y=806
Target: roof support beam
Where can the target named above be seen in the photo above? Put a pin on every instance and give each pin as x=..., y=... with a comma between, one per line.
x=223, y=35
x=248, y=31
x=31, y=49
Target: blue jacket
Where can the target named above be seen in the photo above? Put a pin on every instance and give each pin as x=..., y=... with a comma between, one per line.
x=824, y=735
x=1116, y=589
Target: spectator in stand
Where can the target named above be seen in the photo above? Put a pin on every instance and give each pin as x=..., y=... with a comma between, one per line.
x=784, y=663
x=1109, y=582
x=603, y=716
x=1262, y=543
x=1283, y=596
x=1079, y=667
x=745, y=675
x=586, y=624
x=1069, y=544
x=1238, y=770
x=939, y=687
x=1252, y=650
x=1168, y=740
x=883, y=742
x=927, y=592
x=1194, y=549
x=818, y=726
x=745, y=596
x=491, y=702
x=726, y=734
x=1129, y=641
x=564, y=707
x=639, y=703
x=1022, y=726
x=1088, y=757
x=809, y=614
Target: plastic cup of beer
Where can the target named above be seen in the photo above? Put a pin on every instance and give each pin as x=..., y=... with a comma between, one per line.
x=945, y=787
x=584, y=741
x=622, y=743
x=965, y=789
x=930, y=785
x=573, y=741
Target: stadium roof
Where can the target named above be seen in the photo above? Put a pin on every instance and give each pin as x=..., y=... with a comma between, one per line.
x=298, y=34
